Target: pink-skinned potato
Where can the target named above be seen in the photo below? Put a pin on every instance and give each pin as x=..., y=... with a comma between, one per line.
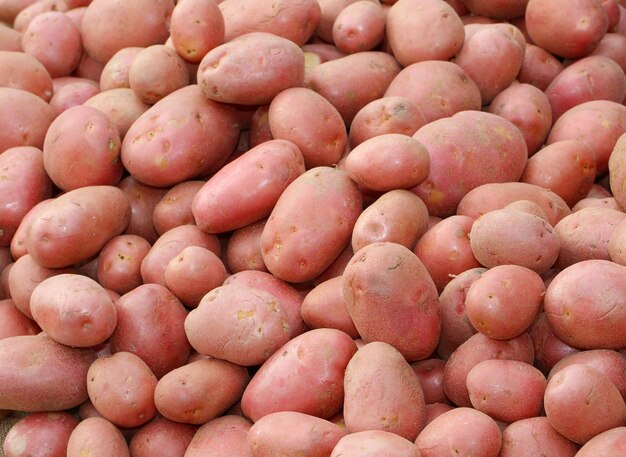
x=161, y=437
x=174, y=208
x=391, y=298
x=310, y=370
x=246, y=190
x=10, y=39
x=535, y=437
x=76, y=225
x=359, y=27
x=97, y=437
x=243, y=249
x=323, y=307
x=115, y=71
x=73, y=94
x=143, y=199
x=13, y=322
x=119, y=263
x=611, y=442
x=503, y=9
x=39, y=374
x=22, y=71
x=196, y=27
x=539, y=67
x=121, y=106
x=297, y=245
x=330, y=9
x=430, y=376
x=222, y=437
x=372, y=443
x=549, y=348
x=37, y=432
x=36, y=8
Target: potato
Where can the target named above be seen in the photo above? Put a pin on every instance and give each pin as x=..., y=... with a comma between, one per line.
x=610, y=442
x=349, y=83
x=23, y=184
x=445, y=249
x=515, y=237
x=238, y=324
x=115, y=73
x=560, y=33
x=539, y=67
x=54, y=40
x=200, y=391
x=119, y=263
x=473, y=351
x=584, y=317
x=108, y=27
x=22, y=71
x=74, y=310
x=463, y=431
x=429, y=373
x=121, y=106
x=243, y=249
x=588, y=79
x=549, y=348
x=612, y=46
x=371, y=443
x=323, y=307
x=73, y=94
x=310, y=370
x=359, y=27
x=150, y=324
x=398, y=216
x=143, y=199
x=25, y=117
x=492, y=56
x=292, y=432
x=169, y=143
x=264, y=171
x=479, y=148
x=330, y=9
x=379, y=371
x=97, y=437
x=535, y=437
x=196, y=27
x=10, y=39
x=507, y=9
x=121, y=387
x=39, y=374
x=581, y=402
x=27, y=14
x=40, y=434
x=528, y=109
x=296, y=245
x=221, y=437
x=13, y=322
x=443, y=40
x=76, y=225
x=10, y=9
x=161, y=437
x=174, y=208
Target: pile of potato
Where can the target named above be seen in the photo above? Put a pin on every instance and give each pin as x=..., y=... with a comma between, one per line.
x=313, y=228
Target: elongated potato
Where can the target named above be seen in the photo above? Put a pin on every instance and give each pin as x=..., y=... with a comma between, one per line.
x=13, y=322
x=22, y=71
x=196, y=27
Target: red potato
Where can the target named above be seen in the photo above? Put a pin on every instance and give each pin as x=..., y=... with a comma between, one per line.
x=445, y=249
x=528, y=207
x=11, y=8
x=609, y=203
x=265, y=171
x=387, y=162
x=549, y=348
x=22, y=71
x=323, y=307
x=115, y=73
x=121, y=387
x=196, y=27
x=54, y=40
x=430, y=375
x=351, y=82
x=143, y=199
x=359, y=27
x=227, y=74
x=391, y=298
x=617, y=247
x=74, y=310
x=581, y=402
x=108, y=27
x=291, y=432
x=406, y=16
x=169, y=143
x=25, y=117
x=27, y=360
x=121, y=106
x=539, y=67
x=97, y=437
x=221, y=437
x=40, y=434
x=573, y=35
x=528, y=108
x=310, y=370
x=82, y=148
x=535, y=437
x=13, y=322
x=330, y=9
x=200, y=391
x=150, y=324
x=617, y=170
x=36, y=8
x=23, y=184
x=503, y=9
x=76, y=225
x=160, y=438
x=610, y=442
x=612, y=45
x=89, y=68
x=119, y=263
x=479, y=148
x=473, y=351
x=259, y=130
x=504, y=301
x=371, y=443
x=588, y=318
x=174, y=208
x=73, y=94
x=613, y=12
x=435, y=410
x=243, y=250
x=463, y=431
x=324, y=51
x=10, y=39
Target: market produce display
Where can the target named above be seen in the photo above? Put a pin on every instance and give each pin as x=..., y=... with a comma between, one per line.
x=312, y=228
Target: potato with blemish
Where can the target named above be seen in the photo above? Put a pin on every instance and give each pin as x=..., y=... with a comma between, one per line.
x=196, y=27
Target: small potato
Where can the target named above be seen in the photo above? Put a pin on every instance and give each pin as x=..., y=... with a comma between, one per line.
x=40, y=434
x=507, y=236
x=406, y=16
x=119, y=263
x=398, y=216
x=539, y=67
x=323, y=307
x=22, y=71
x=387, y=162
x=581, y=402
x=82, y=148
x=535, y=437
x=143, y=199
x=612, y=45
x=505, y=301
x=200, y=391
x=243, y=250
x=617, y=243
x=121, y=106
x=115, y=73
x=74, y=94
x=35, y=8
x=549, y=348
x=430, y=376
x=160, y=438
x=196, y=27
x=10, y=39
x=507, y=9
x=609, y=203
x=445, y=249
x=330, y=9
x=97, y=437
x=150, y=324
x=462, y=431
x=221, y=437
x=528, y=207
x=174, y=208
x=372, y=443
x=359, y=27
x=259, y=130
x=74, y=310
x=13, y=322
x=157, y=71
x=610, y=442
x=121, y=387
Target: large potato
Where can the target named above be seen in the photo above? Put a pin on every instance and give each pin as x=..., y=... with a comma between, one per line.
x=359, y=27
x=610, y=442
x=38, y=433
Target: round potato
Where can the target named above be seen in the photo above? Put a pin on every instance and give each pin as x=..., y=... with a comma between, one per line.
x=40, y=432
x=121, y=106
x=359, y=27
x=539, y=67
x=243, y=250
x=535, y=437
x=97, y=437
x=196, y=27
x=161, y=437
x=610, y=442
x=119, y=263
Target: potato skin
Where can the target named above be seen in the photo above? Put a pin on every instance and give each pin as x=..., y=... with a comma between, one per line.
x=539, y=67
x=143, y=199
x=323, y=307
x=27, y=360
x=503, y=9
x=372, y=443
x=22, y=71
x=359, y=27
x=535, y=437
x=196, y=27
x=549, y=348
x=76, y=225
x=310, y=370
x=161, y=437
x=121, y=106
x=97, y=437
x=40, y=434
x=174, y=208
x=221, y=437
x=243, y=249
x=13, y=322
x=610, y=442
x=115, y=71
x=119, y=263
